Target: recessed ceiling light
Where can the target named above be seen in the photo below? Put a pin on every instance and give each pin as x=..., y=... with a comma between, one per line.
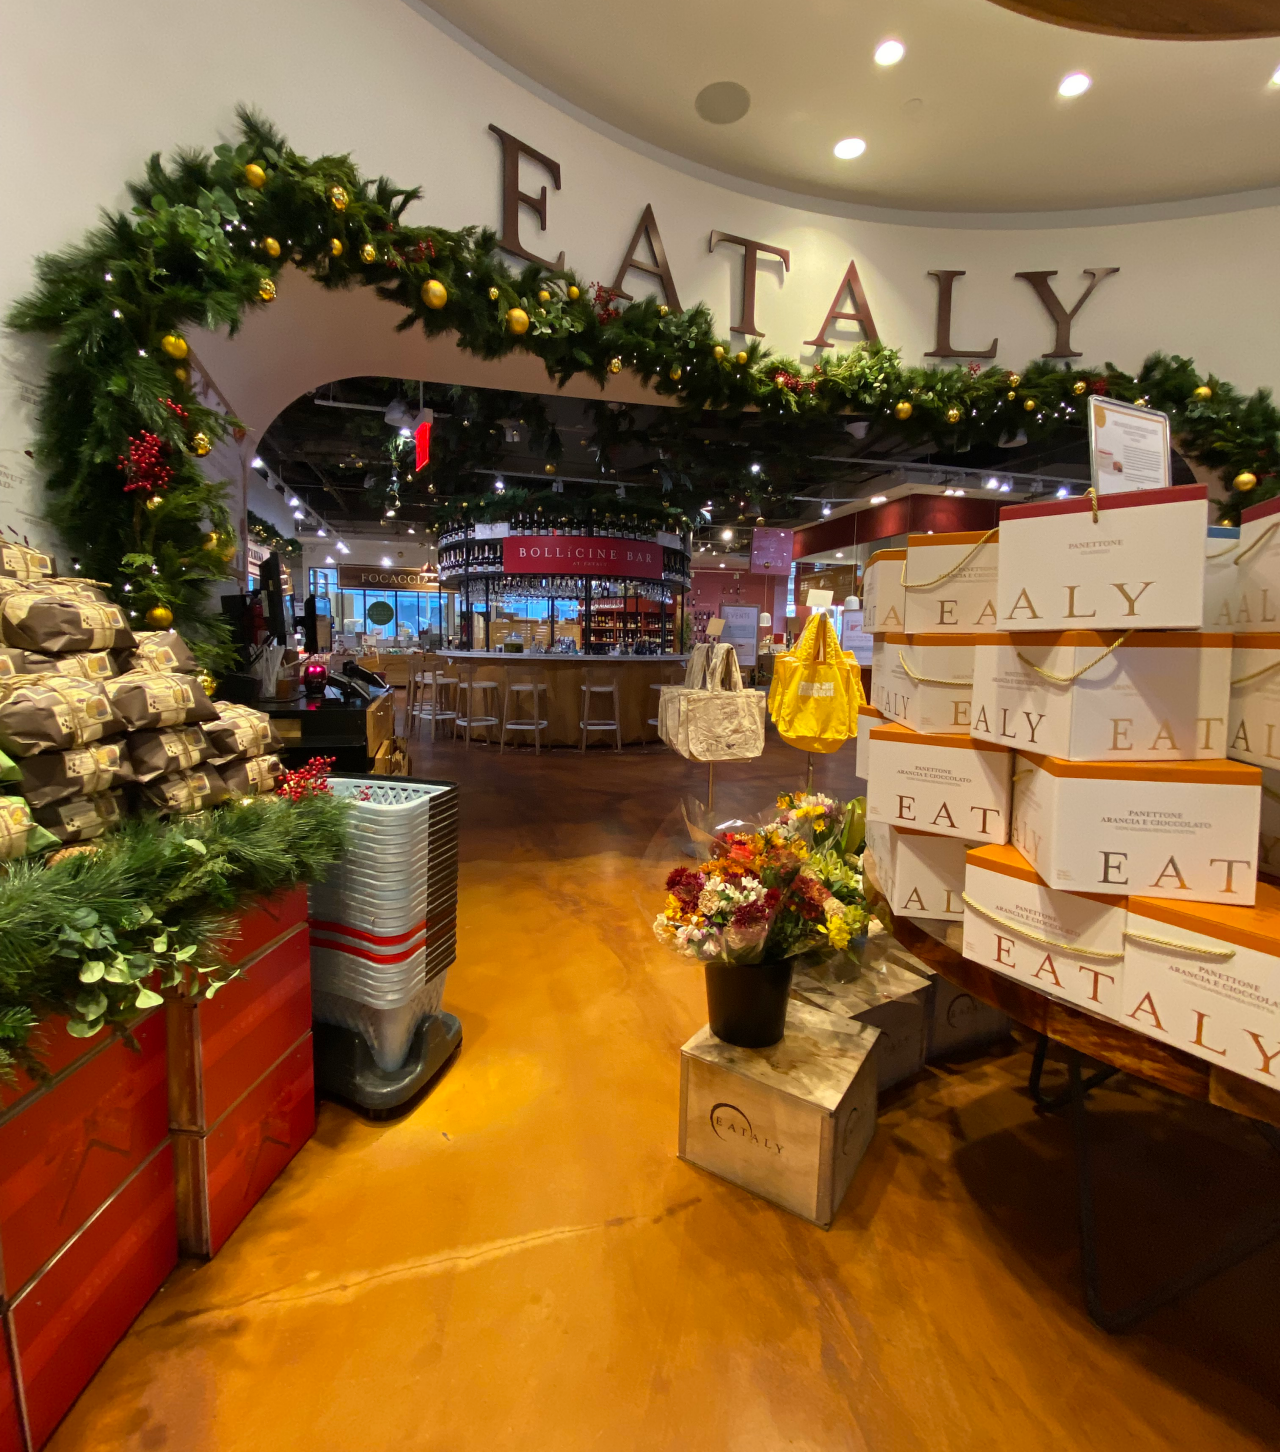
x=328, y=559
x=386, y=562
x=258, y=464
x=298, y=514
x=839, y=554
x=1274, y=81
x=722, y=564
x=726, y=534
x=1076, y=84
x=890, y=52
x=877, y=499
x=294, y=502
x=850, y=147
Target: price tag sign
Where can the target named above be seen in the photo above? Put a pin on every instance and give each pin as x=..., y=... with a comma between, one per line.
x=1128, y=447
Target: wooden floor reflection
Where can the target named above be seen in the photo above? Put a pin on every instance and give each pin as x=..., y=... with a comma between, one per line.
x=522, y=1263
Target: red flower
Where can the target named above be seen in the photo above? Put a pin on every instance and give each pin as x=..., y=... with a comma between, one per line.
x=685, y=886
x=750, y=915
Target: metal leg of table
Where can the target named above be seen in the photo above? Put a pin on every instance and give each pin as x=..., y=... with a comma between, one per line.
x=1246, y=1240
x=1050, y=1102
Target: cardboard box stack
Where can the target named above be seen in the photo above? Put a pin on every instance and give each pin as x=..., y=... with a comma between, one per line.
x=96, y=720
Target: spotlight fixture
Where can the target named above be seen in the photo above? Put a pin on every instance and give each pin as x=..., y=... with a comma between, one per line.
x=386, y=562
x=726, y=534
x=850, y=147
x=322, y=533
x=294, y=501
x=839, y=554
x=328, y=559
x=992, y=483
x=878, y=499
x=406, y=433
x=499, y=487
x=1063, y=492
x=342, y=549
x=1005, y=488
x=257, y=463
x=722, y=564
x=826, y=510
x=1076, y=84
x=755, y=468
x=890, y=52
x=1274, y=81
x=298, y=514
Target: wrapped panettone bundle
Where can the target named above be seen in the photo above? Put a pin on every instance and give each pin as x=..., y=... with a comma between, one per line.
x=54, y=713
x=63, y=619
x=254, y=776
x=58, y=776
x=240, y=731
x=20, y=833
x=148, y=700
x=184, y=792
x=21, y=562
x=162, y=650
x=175, y=748
x=82, y=818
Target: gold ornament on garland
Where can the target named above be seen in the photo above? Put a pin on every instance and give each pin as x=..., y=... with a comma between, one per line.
x=494, y=294
x=1014, y=379
x=266, y=289
x=1244, y=482
x=207, y=683
x=160, y=617
x=1011, y=395
x=662, y=310
x=548, y=468
x=574, y=294
x=717, y=352
x=1079, y=386
x=615, y=365
x=155, y=501
x=1141, y=402
x=335, y=246
x=953, y=415
x=544, y=296
x=174, y=344
x=338, y=196
x=255, y=176
x=434, y=294
x=902, y=410
x=517, y=321
x=1203, y=392
x=271, y=247
x=200, y=444
x=181, y=374
x=1029, y=404
x=675, y=373
x=368, y=253
x=740, y=359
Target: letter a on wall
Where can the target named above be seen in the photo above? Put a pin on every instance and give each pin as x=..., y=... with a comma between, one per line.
x=852, y=284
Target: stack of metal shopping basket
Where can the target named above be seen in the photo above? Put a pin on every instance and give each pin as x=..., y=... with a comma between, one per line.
x=383, y=934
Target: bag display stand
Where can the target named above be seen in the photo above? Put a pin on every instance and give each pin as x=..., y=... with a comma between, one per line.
x=383, y=934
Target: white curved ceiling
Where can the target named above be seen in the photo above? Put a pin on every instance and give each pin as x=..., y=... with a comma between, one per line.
x=969, y=120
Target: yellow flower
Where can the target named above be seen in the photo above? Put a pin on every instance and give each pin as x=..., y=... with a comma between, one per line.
x=837, y=931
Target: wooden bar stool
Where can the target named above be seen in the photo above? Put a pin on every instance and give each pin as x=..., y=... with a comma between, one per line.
x=672, y=679
x=474, y=708
x=527, y=686
x=596, y=685
x=428, y=699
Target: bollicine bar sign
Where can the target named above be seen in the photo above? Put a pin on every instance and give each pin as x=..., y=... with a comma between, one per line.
x=573, y=554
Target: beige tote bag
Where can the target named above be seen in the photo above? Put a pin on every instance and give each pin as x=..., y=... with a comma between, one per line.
x=723, y=722
x=670, y=696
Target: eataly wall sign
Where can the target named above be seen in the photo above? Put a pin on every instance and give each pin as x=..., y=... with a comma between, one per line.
x=850, y=290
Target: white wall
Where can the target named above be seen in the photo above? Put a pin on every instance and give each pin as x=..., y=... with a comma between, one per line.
x=84, y=98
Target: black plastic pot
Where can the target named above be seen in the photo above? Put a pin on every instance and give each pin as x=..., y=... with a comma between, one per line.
x=747, y=1003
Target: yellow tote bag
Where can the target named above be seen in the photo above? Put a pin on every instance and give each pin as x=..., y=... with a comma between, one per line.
x=819, y=693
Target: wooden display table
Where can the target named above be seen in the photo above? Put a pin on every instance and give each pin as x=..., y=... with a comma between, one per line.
x=565, y=676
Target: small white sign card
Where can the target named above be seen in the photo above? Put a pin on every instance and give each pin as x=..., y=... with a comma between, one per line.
x=742, y=631
x=1128, y=447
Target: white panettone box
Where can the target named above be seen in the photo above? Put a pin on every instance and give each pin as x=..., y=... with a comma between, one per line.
x=951, y=786
x=883, y=598
x=1221, y=577
x=950, y=583
x=1269, y=826
x=921, y=876
x=1206, y=979
x=1136, y=562
x=927, y=681
x=1253, y=733
x=868, y=717
x=1186, y=830
x=1257, y=565
x=1087, y=695
x=1067, y=944
x=879, y=664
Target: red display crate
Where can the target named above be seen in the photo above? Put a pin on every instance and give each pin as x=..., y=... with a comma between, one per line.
x=264, y=922
x=68, y=1145
x=11, y=1439
x=222, y=1174
x=63, y=1325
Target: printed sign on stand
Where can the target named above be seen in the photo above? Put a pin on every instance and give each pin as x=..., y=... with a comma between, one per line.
x=1128, y=447
x=771, y=551
x=742, y=631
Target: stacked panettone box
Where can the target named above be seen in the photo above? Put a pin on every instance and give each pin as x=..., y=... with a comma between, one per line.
x=96, y=720
x=1106, y=760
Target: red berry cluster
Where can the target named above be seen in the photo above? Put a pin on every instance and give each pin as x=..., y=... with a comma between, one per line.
x=144, y=465
x=793, y=383
x=602, y=299
x=176, y=409
x=307, y=781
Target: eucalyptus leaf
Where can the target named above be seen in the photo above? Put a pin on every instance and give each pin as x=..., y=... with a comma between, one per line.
x=91, y=1005
x=117, y=971
x=160, y=944
x=196, y=846
x=78, y=1028
x=92, y=970
x=147, y=999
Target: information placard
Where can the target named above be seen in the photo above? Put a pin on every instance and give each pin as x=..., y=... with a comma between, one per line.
x=1128, y=447
x=742, y=631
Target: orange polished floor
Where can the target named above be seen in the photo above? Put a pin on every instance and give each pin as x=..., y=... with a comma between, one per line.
x=523, y=1263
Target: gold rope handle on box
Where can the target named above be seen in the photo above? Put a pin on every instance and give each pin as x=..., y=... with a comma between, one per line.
x=1038, y=937
x=1091, y=495
x=929, y=680
x=946, y=574
x=1222, y=554
x=1223, y=953
x=1257, y=675
x=1261, y=539
x=1075, y=675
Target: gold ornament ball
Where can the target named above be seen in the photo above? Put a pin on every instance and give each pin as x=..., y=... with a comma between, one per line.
x=517, y=320
x=615, y=365
x=266, y=289
x=1141, y=402
x=741, y=358
x=207, y=683
x=573, y=294
x=181, y=374
x=675, y=373
x=903, y=410
x=548, y=468
x=1011, y=395
x=1029, y=404
x=174, y=344
x=200, y=444
x=434, y=294
x=544, y=296
x=1204, y=391
x=1244, y=482
x=271, y=247
x=255, y=176
x=368, y=253
x=493, y=294
x=335, y=246
x=662, y=310
x=1014, y=379
x=338, y=196
x=1079, y=386
x=953, y=415
x=717, y=352
x=155, y=501
x=160, y=617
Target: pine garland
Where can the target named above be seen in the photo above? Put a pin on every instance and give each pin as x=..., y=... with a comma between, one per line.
x=267, y=534
x=95, y=935
x=210, y=233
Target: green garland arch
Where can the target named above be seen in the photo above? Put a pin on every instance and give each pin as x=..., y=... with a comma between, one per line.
x=208, y=236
